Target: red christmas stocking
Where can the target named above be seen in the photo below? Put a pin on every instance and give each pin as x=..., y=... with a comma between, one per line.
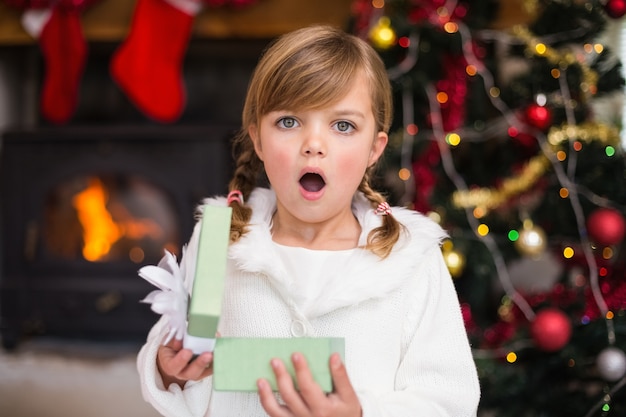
x=147, y=66
x=64, y=50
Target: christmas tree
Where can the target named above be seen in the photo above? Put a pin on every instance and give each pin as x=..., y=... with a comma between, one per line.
x=509, y=136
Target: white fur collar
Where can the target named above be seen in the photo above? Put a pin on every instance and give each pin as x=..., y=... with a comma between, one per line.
x=365, y=277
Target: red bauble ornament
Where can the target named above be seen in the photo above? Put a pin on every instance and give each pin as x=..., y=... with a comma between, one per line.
x=538, y=116
x=606, y=226
x=615, y=8
x=551, y=329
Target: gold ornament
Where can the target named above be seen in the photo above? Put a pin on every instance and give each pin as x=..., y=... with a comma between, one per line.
x=455, y=260
x=532, y=240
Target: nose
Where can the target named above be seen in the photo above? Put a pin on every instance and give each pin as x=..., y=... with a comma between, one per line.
x=314, y=143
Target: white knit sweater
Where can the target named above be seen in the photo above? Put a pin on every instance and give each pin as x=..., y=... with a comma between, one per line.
x=407, y=352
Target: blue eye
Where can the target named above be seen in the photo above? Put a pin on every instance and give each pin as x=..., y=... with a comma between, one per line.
x=287, y=123
x=344, y=126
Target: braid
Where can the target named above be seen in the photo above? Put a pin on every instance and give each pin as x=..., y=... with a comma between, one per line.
x=247, y=168
x=381, y=239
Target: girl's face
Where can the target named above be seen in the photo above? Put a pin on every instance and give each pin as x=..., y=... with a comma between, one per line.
x=316, y=159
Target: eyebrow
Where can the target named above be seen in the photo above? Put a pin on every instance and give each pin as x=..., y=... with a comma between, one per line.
x=349, y=113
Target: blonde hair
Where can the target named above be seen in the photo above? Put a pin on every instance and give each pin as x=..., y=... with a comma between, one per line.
x=311, y=68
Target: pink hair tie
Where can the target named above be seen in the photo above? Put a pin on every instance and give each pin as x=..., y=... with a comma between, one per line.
x=383, y=209
x=234, y=195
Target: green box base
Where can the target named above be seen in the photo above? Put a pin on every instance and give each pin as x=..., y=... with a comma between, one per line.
x=205, y=305
x=239, y=362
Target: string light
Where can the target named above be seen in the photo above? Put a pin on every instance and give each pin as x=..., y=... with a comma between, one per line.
x=404, y=42
x=453, y=139
x=609, y=151
x=479, y=212
x=540, y=49
x=404, y=174
x=451, y=27
x=511, y=357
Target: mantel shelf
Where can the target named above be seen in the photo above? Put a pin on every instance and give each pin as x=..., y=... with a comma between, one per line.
x=109, y=20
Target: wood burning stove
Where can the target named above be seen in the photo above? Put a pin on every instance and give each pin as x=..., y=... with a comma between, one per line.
x=82, y=209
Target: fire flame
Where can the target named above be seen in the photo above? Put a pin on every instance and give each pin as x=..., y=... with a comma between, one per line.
x=100, y=230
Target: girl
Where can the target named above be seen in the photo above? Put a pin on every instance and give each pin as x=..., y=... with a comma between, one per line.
x=321, y=254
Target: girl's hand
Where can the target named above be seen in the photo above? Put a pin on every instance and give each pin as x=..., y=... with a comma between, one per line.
x=310, y=401
x=176, y=366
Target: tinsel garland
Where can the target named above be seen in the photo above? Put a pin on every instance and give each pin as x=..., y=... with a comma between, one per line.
x=491, y=198
x=535, y=46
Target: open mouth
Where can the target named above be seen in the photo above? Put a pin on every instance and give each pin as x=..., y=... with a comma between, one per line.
x=312, y=182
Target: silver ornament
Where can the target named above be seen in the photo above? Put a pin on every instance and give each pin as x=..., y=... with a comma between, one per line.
x=611, y=363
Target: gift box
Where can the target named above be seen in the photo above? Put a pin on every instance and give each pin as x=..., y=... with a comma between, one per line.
x=239, y=362
x=208, y=285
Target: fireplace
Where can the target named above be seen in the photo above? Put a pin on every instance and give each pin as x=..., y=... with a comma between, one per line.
x=82, y=209
x=84, y=205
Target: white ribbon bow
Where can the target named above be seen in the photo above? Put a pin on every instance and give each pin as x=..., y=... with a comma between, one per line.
x=172, y=298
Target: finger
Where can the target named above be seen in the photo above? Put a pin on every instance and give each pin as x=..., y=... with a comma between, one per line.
x=175, y=344
x=342, y=386
x=310, y=391
x=199, y=367
x=169, y=364
x=173, y=362
x=268, y=400
x=286, y=388
x=170, y=349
